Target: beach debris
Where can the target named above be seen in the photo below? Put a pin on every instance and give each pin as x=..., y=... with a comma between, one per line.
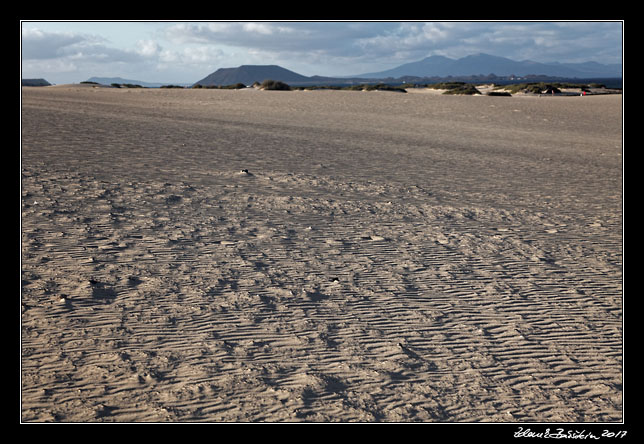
x=64, y=299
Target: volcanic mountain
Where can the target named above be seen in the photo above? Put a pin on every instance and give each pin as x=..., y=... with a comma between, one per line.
x=249, y=74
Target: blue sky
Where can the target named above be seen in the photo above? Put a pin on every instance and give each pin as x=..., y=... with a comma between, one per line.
x=184, y=52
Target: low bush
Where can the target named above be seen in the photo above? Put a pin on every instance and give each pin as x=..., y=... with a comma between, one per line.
x=455, y=88
x=234, y=86
x=125, y=85
x=274, y=85
x=375, y=87
x=540, y=87
x=446, y=85
x=316, y=87
x=466, y=89
x=385, y=87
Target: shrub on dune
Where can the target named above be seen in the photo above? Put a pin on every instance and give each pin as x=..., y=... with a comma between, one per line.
x=274, y=85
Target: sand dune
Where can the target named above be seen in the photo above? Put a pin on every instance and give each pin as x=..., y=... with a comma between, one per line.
x=387, y=257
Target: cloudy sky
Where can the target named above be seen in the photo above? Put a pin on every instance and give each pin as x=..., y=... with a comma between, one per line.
x=185, y=52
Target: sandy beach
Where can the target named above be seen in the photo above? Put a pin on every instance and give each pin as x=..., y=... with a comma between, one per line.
x=244, y=256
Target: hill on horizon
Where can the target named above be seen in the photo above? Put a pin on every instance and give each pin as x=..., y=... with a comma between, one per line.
x=35, y=82
x=249, y=74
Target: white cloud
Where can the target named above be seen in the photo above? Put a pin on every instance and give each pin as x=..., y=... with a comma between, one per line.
x=259, y=28
x=36, y=68
x=37, y=44
x=274, y=36
x=344, y=48
x=324, y=48
x=148, y=48
x=191, y=55
x=62, y=56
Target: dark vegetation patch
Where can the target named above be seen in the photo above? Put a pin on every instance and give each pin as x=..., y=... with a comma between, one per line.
x=233, y=86
x=125, y=85
x=541, y=87
x=455, y=88
x=274, y=85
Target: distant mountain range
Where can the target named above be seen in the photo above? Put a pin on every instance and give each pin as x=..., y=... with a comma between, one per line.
x=483, y=64
x=433, y=68
x=430, y=67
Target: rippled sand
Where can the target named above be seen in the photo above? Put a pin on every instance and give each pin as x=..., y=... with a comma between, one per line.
x=386, y=256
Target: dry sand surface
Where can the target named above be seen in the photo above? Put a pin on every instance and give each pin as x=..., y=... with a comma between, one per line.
x=387, y=257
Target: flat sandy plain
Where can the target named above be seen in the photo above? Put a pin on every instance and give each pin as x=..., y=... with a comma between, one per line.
x=387, y=257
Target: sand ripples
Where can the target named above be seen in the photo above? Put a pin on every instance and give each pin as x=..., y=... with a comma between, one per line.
x=289, y=296
x=209, y=302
